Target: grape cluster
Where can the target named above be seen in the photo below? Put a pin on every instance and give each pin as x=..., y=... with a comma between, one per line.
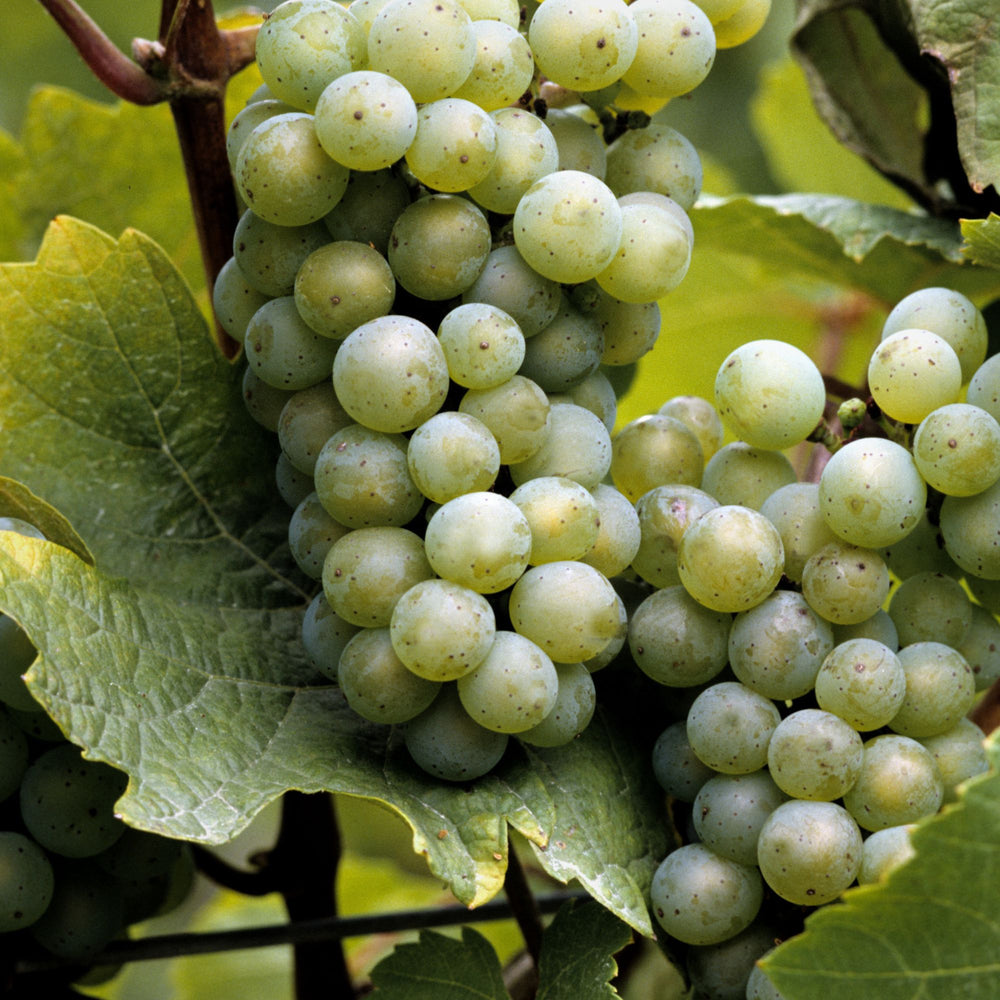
x=72, y=875
x=459, y=220
x=820, y=636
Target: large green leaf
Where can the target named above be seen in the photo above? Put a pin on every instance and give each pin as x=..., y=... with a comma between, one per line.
x=982, y=241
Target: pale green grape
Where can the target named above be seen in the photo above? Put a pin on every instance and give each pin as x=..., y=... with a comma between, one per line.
x=739, y=473
x=658, y=159
x=451, y=454
x=676, y=641
x=442, y=630
x=940, y=689
x=777, y=647
x=324, y=635
x=376, y=682
x=565, y=352
x=363, y=479
x=741, y=26
x=719, y=10
x=701, y=898
x=861, y=681
x=871, y=493
x=455, y=145
x=580, y=144
x=507, y=11
x=285, y=176
x=575, y=444
x=879, y=627
x=652, y=451
x=884, y=851
x=759, y=987
x=366, y=120
x=959, y=753
x=567, y=608
x=562, y=515
x=986, y=592
x=369, y=569
x=365, y=11
x=730, y=558
x=293, y=486
x=583, y=44
x=594, y=393
x=480, y=540
x=513, y=688
x=311, y=533
x=665, y=513
x=970, y=527
x=814, y=755
x=517, y=414
x=913, y=372
x=13, y=754
x=899, y=783
x=439, y=245
x=984, y=388
x=576, y=701
x=949, y=314
x=981, y=647
x=483, y=345
x=270, y=256
x=390, y=374
x=246, y=121
x=701, y=417
x=618, y=534
x=677, y=768
x=930, y=607
x=427, y=45
x=304, y=44
x=629, y=329
x=369, y=208
x=795, y=511
x=26, y=881
x=676, y=48
x=568, y=226
x=503, y=67
x=611, y=651
x=234, y=300
x=730, y=809
x=809, y=852
x=921, y=551
x=844, y=583
x=283, y=351
x=17, y=653
x=309, y=418
x=770, y=394
x=729, y=727
x=721, y=971
x=957, y=449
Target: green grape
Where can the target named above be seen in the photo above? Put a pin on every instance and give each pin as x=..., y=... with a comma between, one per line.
x=567, y=608
x=369, y=569
x=676, y=48
x=67, y=803
x=739, y=473
x=629, y=329
x=17, y=653
x=984, y=388
x=930, y=607
x=479, y=540
x=580, y=144
x=594, y=393
x=809, y=852
x=365, y=11
x=981, y=647
x=455, y=145
x=729, y=727
x=676, y=641
x=507, y=11
x=845, y=584
x=759, y=987
x=565, y=352
x=699, y=416
x=311, y=533
x=658, y=159
x=730, y=558
x=246, y=121
x=986, y=592
x=899, y=783
x=795, y=511
x=234, y=300
x=730, y=809
x=390, y=374
x=503, y=67
x=861, y=681
x=721, y=971
x=611, y=651
x=365, y=120
x=879, y=627
x=653, y=451
x=665, y=513
x=618, y=534
x=940, y=689
x=149, y=871
x=883, y=852
x=513, y=688
x=304, y=45
x=871, y=493
x=324, y=635
x=957, y=449
x=959, y=753
x=508, y=283
x=451, y=454
x=678, y=770
x=283, y=351
x=269, y=256
x=576, y=701
x=342, y=285
x=376, y=682
x=778, y=647
x=369, y=209
x=575, y=445
x=26, y=881
x=483, y=345
x=950, y=315
x=438, y=245
x=748, y=19
x=285, y=176
x=293, y=486
x=814, y=755
x=583, y=45
x=427, y=45
x=770, y=394
x=913, y=372
x=701, y=898
x=568, y=226
x=921, y=551
x=719, y=10
x=307, y=421
x=970, y=527
x=13, y=754
x=517, y=414
x=445, y=742
x=562, y=515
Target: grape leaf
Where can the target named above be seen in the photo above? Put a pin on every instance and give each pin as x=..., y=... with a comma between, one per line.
x=932, y=929
x=438, y=967
x=16, y=500
x=982, y=240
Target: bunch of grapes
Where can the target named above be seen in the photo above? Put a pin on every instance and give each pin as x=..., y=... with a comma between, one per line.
x=821, y=635
x=73, y=876
x=459, y=218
